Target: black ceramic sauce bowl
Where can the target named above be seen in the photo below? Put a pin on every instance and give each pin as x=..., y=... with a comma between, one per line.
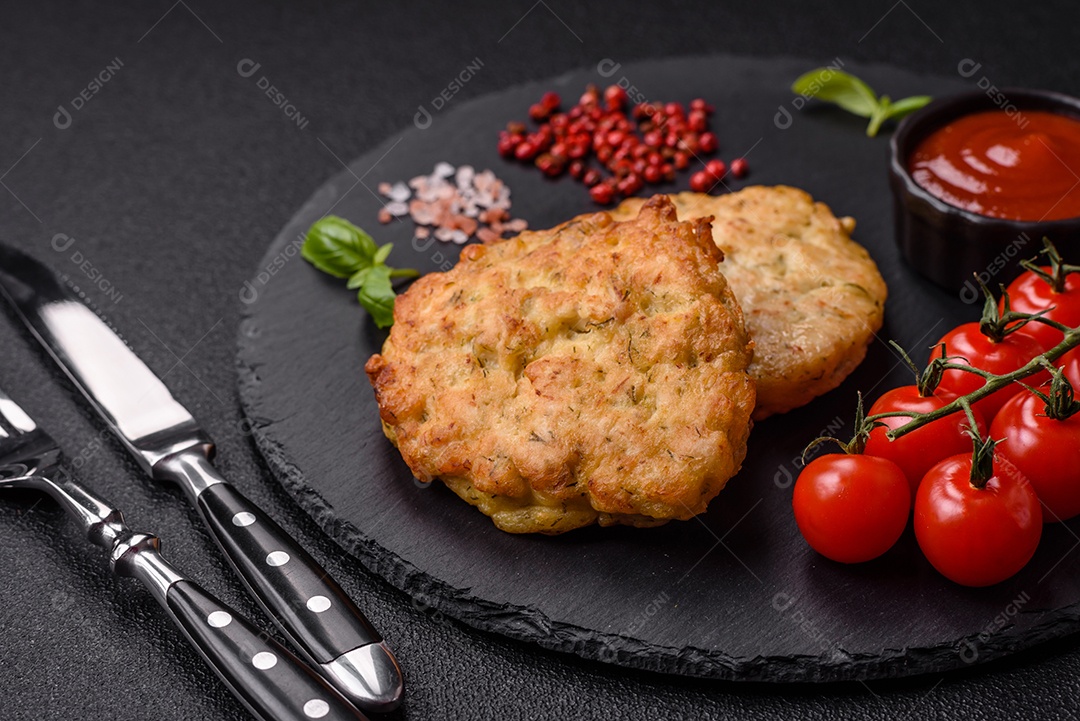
x=950, y=245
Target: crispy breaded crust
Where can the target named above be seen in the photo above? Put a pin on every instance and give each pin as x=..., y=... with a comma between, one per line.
x=591, y=373
x=813, y=298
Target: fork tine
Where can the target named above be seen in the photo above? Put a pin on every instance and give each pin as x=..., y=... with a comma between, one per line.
x=25, y=449
x=12, y=416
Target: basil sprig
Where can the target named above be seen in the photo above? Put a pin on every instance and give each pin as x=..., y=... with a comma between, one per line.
x=855, y=96
x=336, y=246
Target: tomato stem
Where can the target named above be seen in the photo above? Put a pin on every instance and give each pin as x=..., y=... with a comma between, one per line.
x=926, y=381
x=995, y=324
x=993, y=383
x=858, y=442
x=1061, y=403
x=1059, y=270
x=982, y=452
x=934, y=372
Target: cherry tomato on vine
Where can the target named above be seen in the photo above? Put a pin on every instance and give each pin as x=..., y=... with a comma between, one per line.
x=1045, y=450
x=1029, y=294
x=976, y=536
x=998, y=357
x=851, y=508
x=919, y=450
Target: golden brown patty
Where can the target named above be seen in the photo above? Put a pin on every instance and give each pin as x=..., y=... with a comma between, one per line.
x=594, y=372
x=813, y=298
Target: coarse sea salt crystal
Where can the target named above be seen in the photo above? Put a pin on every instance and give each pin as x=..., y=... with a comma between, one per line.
x=464, y=177
x=397, y=208
x=422, y=213
x=399, y=192
x=453, y=204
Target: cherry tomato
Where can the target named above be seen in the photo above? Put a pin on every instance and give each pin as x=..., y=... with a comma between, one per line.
x=851, y=508
x=1029, y=294
x=1045, y=450
x=976, y=536
x=921, y=449
x=975, y=349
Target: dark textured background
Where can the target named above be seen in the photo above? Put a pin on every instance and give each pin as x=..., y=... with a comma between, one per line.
x=173, y=179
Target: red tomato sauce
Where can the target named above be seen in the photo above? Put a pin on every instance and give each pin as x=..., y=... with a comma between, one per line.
x=1019, y=166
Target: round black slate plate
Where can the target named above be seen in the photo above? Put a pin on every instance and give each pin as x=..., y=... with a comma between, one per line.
x=733, y=594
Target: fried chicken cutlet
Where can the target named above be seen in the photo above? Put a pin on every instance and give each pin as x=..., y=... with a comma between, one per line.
x=813, y=298
x=591, y=373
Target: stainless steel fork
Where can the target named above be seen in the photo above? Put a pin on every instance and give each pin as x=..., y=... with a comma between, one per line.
x=265, y=676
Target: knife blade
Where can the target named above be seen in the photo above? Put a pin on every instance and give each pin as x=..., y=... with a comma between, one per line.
x=310, y=608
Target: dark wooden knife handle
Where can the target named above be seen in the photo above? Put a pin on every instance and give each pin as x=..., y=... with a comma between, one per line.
x=297, y=592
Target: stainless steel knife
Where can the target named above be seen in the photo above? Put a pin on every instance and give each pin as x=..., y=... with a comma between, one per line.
x=296, y=592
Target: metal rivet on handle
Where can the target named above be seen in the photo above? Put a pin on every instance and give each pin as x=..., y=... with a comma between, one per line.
x=219, y=619
x=277, y=558
x=264, y=660
x=316, y=708
x=243, y=518
x=318, y=604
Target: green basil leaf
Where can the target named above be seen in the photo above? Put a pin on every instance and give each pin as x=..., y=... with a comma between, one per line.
x=377, y=296
x=382, y=253
x=881, y=112
x=906, y=106
x=336, y=246
x=836, y=86
x=358, y=278
x=875, y=124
